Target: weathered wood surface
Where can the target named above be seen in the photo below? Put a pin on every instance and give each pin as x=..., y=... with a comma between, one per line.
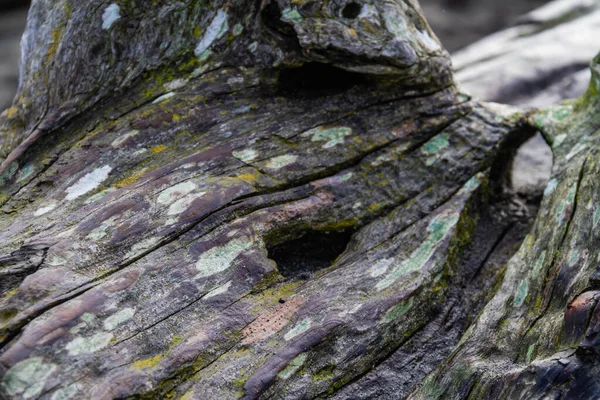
x=155, y=171
x=537, y=338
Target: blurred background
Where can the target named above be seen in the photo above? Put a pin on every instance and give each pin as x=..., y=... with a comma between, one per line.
x=13, y=14
x=456, y=22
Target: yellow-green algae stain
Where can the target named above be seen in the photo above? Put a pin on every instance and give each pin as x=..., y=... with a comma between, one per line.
x=292, y=367
x=27, y=378
x=325, y=373
x=439, y=227
x=151, y=362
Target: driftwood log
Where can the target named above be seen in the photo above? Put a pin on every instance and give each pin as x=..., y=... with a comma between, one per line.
x=214, y=200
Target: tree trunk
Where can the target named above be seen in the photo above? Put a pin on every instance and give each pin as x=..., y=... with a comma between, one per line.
x=273, y=200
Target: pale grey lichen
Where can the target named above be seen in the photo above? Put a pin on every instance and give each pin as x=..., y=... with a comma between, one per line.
x=44, y=210
x=118, y=318
x=220, y=290
x=88, y=182
x=88, y=345
x=245, y=155
x=175, y=192
x=164, y=97
x=282, y=161
x=215, y=30
x=111, y=14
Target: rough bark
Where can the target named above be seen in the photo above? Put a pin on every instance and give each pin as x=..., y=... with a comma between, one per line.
x=537, y=338
x=227, y=200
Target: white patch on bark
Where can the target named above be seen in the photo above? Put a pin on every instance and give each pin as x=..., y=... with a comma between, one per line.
x=215, y=30
x=88, y=183
x=44, y=210
x=220, y=258
x=176, y=84
x=111, y=14
x=220, y=290
x=163, y=98
x=116, y=319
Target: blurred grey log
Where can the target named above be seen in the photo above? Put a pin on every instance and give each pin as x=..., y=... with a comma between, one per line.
x=538, y=62
x=12, y=23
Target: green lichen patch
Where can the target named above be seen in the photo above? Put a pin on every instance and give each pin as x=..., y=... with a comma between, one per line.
x=282, y=161
x=102, y=231
x=68, y=393
x=331, y=136
x=398, y=311
x=27, y=378
x=292, y=367
x=434, y=146
x=521, y=294
x=539, y=264
x=89, y=345
x=291, y=14
x=530, y=353
x=220, y=258
x=439, y=227
x=565, y=205
x=298, y=329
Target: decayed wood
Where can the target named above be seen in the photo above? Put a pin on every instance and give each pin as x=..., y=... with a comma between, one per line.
x=165, y=162
x=537, y=338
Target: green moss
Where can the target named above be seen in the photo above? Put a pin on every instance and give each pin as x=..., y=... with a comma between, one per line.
x=7, y=314
x=267, y=281
x=325, y=373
